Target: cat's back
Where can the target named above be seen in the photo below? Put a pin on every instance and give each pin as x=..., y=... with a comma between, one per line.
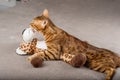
x=102, y=55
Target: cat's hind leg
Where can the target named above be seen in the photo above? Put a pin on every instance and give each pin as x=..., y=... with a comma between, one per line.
x=109, y=72
x=103, y=65
x=77, y=60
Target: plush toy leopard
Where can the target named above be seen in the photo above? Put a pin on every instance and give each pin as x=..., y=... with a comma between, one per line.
x=29, y=43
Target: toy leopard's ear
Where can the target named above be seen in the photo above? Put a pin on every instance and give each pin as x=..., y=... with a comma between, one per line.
x=45, y=13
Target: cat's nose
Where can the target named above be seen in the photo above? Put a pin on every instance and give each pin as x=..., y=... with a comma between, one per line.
x=31, y=24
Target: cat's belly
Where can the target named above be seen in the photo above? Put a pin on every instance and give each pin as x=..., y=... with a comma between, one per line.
x=41, y=44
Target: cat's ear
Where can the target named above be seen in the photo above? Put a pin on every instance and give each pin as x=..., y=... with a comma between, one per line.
x=44, y=23
x=45, y=13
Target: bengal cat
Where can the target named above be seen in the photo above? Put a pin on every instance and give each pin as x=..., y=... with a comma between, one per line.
x=60, y=44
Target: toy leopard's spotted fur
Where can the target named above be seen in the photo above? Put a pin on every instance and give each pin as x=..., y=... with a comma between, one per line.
x=28, y=47
x=61, y=45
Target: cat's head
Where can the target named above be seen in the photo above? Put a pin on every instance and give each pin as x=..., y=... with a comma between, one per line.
x=39, y=23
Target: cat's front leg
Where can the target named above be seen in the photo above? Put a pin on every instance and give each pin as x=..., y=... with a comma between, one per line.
x=42, y=54
x=77, y=60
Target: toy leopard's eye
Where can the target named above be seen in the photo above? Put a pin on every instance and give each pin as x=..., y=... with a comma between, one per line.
x=23, y=31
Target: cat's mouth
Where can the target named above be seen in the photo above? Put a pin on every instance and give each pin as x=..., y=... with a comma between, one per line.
x=33, y=30
x=33, y=27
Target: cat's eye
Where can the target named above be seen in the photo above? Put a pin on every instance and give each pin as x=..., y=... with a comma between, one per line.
x=44, y=22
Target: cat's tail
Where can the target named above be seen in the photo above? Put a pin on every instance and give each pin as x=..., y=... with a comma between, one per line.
x=119, y=61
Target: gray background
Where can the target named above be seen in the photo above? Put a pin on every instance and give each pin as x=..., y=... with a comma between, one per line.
x=96, y=21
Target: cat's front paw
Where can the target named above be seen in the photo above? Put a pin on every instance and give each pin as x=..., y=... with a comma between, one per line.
x=78, y=60
x=36, y=62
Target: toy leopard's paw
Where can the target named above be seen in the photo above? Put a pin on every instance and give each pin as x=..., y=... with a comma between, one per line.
x=78, y=60
x=36, y=62
x=34, y=41
x=27, y=47
x=20, y=52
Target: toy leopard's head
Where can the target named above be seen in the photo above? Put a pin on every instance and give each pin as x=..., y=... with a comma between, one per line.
x=28, y=34
x=28, y=45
